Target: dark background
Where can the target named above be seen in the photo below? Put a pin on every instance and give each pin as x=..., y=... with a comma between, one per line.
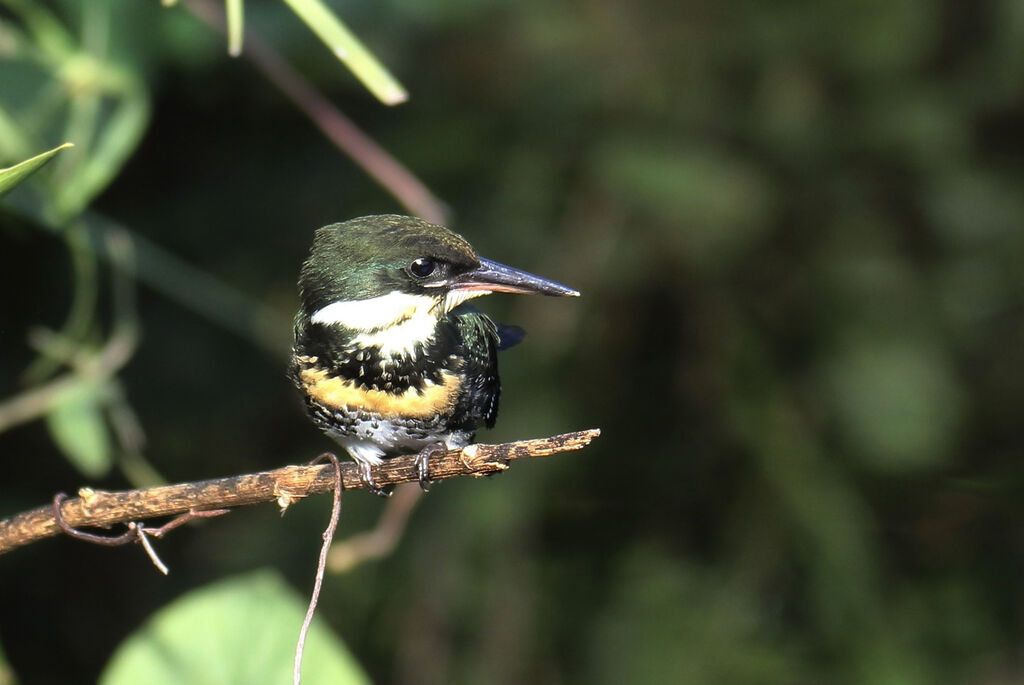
x=797, y=227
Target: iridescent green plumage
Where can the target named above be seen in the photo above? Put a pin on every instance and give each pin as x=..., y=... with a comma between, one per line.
x=388, y=357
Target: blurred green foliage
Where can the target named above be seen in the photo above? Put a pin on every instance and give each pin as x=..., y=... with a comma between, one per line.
x=797, y=229
x=77, y=426
x=6, y=677
x=239, y=630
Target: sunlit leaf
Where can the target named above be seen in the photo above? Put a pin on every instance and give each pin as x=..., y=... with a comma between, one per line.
x=350, y=50
x=12, y=176
x=235, y=12
x=240, y=630
x=77, y=425
x=6, y=674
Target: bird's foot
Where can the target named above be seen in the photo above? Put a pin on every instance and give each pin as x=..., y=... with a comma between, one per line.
x=366, y=478
x=423, y=464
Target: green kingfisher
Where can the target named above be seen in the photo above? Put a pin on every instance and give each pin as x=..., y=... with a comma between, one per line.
x=389, y=357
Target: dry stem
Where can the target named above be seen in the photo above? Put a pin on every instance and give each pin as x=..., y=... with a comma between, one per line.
x=339, y=129
x=285, y=485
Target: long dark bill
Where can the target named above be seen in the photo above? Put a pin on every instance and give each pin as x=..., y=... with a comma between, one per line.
x=498, y=278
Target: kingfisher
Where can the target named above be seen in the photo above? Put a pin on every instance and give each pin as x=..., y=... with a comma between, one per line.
x=389, y=356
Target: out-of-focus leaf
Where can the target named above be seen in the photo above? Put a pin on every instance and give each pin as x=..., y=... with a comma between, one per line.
x=925, y=126
x=12, y=138
x=712, y=205
x=971, y=292
x=44, y=28
x=79, y=429
x=11, y=40
x=350, y=50
x=6, y=674
x=879, y=36
x=974, y=207
x=12, y=176
x=240, y=630
x=1005, y=69
x=118, y=138
x=235, y=12
x=672, y=623
x=897, y=403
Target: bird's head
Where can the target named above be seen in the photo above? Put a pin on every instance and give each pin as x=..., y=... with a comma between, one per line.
x=374, y=272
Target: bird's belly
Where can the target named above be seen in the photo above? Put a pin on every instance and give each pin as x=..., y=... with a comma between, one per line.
x=371, y=437
x=372, y=423
x=347, y=394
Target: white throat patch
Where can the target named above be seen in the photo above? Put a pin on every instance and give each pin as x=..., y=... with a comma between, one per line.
x=395, y=322
x=376, y=312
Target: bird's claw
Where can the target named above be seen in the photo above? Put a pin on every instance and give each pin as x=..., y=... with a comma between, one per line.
x=423, y=465
x=366, y=478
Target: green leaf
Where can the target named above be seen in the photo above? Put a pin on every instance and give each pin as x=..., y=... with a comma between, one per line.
x=77, y=425
x=6, y=674
x=47, y=32
x=235, y=12
x=239, y=630
x=12, y=176
x=897, y=402
x=118, y=138
x=350, y=50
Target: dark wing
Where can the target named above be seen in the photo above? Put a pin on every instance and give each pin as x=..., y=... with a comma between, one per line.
x=479, y=341
x=509, y=336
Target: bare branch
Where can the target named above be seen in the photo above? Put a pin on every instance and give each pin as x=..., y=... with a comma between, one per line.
x=403, y=185
x=284, y=485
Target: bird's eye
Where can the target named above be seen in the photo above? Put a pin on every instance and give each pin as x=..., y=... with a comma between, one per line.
x=423, y=267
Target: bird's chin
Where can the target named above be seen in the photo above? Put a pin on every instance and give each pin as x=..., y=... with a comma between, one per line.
x=456, y=297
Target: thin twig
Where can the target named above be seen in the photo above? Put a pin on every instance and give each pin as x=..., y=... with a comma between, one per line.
x=382, y=539
x=320, y=567
x=339, y=129
x=287, y=484
x=187, y=517
x=104, y=540
x=136, y=532
x=144, y=539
